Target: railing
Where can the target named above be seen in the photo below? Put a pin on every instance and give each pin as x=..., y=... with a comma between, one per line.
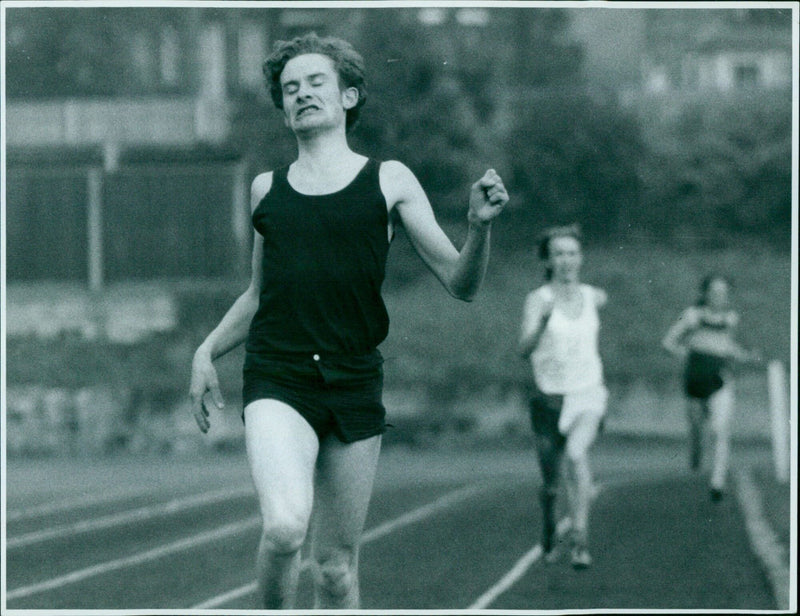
x=140, y=221
x=163, y=121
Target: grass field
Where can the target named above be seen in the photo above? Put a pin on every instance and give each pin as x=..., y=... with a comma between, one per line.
x=441, y=342
x=445, y=360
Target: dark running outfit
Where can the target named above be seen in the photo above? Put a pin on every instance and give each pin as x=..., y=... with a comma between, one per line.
x=705, y=373
x=313, y=340
x=545, y=411
x=708, y=382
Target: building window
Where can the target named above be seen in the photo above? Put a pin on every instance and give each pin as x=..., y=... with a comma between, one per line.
x=301, y=21
x=252, y=53
x=212, y=61
x=143, y=61
x=472, y=17
x=432, y=16
x=170, y=56
x=740, y=15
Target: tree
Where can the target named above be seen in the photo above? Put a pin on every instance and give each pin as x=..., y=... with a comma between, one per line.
x=721, y=166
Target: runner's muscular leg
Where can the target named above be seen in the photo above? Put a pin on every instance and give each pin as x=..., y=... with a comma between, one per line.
x=281, y=449
x=345, y=474
x=721, y=405
x=579, y=441
x=550, y=449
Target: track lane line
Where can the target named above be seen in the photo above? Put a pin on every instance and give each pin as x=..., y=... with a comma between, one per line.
x=79, y=502
x=379, y=531
x=517, y=571
x=136, y=559
x=373, y=534
x=134, y=515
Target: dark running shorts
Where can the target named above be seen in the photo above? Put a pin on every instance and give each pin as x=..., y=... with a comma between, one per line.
x=545, y=413
x=343, y=395
x=703, y=375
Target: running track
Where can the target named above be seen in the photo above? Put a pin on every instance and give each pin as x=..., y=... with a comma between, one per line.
x=446, y=530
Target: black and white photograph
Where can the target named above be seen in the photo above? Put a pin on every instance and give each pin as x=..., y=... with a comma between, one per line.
x=452, y=307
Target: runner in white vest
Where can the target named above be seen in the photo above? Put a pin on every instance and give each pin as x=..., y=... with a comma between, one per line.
x=559, y=335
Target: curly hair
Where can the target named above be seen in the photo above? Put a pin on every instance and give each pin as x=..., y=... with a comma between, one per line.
x=347, y=62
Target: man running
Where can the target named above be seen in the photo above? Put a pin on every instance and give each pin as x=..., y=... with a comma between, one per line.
x=559, y=336
x=313, y=317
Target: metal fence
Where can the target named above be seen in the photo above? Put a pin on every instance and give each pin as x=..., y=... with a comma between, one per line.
x=79, y=222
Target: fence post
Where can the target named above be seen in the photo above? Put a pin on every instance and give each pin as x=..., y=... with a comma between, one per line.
x=779, y=414
x=95, y=227
x=240, y=217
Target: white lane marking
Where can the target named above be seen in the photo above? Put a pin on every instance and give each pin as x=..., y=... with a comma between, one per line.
x=73, y=503
x=509, y=579
x=517, y=571
x=763, y=540
x=423, y=512
x=382, y=530
x=136, y=559
x=125, y=517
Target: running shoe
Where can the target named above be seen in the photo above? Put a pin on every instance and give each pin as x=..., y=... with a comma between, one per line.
x=581, y=559
x=716, y=495
x=555, y=544
x=554, y=555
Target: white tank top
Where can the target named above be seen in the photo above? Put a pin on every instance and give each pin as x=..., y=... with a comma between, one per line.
x=567, y=358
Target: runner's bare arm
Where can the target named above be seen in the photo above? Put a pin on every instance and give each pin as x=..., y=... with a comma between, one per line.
x=461, y=273
x=740, y=352
x=672, y=340
x=232, y=329
x=600, y=297
x=536, y=314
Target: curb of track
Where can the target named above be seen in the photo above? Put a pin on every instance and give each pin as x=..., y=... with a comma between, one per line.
x=763, y=539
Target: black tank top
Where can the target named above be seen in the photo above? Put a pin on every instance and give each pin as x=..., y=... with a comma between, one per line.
x=323, y=267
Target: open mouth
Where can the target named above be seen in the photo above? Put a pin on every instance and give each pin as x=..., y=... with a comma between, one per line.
x=304, y=110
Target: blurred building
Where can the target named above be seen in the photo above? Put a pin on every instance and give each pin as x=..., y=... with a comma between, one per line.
x=175, y=76
x=135, y=128
x=717, y=50
x=120, y=126
x=112, y=76
x=139, y=128
x=684, y=52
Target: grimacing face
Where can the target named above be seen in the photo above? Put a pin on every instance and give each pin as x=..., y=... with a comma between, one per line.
x=312, y=96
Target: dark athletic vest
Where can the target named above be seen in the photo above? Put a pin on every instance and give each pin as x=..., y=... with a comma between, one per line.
x=323, y=266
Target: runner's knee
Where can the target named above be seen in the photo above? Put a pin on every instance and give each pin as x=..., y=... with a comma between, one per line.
x=284, y=537
x=576, y=454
